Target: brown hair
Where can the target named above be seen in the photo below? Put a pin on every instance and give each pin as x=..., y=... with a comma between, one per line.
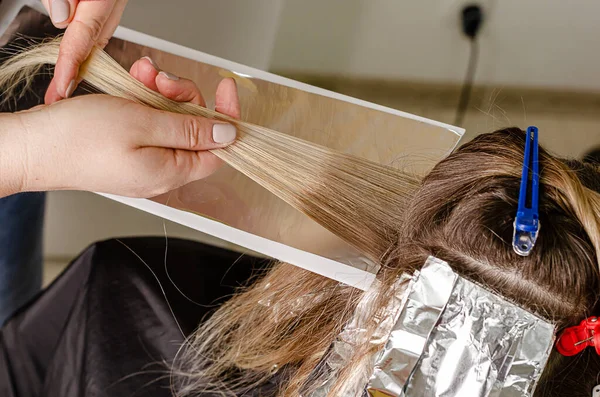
x=463, y=213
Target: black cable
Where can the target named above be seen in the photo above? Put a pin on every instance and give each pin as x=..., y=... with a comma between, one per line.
x=467, y=87
x=471, y=20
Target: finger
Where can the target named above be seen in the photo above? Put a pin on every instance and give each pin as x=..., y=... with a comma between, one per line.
x=61, y=11
x=227, y=100
x=186, y=132
x=78, y=41
x=145, y=70
x=52, y=94
x=111, y=24
x=178, y=89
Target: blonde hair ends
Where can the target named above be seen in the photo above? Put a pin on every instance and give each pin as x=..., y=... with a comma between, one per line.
x=303, y=174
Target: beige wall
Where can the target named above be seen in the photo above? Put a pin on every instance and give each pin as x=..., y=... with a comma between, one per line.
x=540, y=43
x=239, y=30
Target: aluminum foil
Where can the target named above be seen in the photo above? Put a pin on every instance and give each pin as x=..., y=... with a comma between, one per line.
x=454, y=338
x=355, y=333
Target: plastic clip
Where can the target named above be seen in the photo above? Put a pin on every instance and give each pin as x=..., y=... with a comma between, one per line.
x=575, y=339
x=527, y=224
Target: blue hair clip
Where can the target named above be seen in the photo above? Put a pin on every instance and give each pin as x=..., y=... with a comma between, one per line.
x=527, y=223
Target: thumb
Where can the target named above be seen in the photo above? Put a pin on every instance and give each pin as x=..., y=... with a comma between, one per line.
x=184, y=141
x=186, y=132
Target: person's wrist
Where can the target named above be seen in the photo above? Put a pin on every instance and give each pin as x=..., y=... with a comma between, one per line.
x=26, y=167
x=13, y=171
x=36, y=148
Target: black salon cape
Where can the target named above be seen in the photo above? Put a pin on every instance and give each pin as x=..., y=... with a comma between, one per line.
x=104, y=326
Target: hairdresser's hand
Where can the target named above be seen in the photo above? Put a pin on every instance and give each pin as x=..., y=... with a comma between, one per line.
x=111, y=145
x=89, y=23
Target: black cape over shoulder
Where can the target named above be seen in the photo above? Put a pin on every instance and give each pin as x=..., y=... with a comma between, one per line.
x=105, y=327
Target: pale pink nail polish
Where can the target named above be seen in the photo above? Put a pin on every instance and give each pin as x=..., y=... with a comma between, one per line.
x=70, y=89
x=224, y=133
x=154, y=65
x=60, y=10
x=170, y=76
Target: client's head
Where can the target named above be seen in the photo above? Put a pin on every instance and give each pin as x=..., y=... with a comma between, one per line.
x=464, y=213
x=283, y=325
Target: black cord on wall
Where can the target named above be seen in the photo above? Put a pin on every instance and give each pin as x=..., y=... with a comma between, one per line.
x=472, y=18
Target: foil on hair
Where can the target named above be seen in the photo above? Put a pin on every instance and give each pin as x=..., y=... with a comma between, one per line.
x=454, y=338
x=355, y=333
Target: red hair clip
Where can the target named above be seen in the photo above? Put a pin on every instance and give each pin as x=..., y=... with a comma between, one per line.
x=574, y=340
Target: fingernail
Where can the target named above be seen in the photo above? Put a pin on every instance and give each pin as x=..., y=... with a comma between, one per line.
x=170, y=76
x=70, y=89
x=154, y=65
x=60, y=11
x=224, y=133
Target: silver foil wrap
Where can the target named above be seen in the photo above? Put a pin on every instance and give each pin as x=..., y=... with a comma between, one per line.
x=355, y=334
x=454, y=338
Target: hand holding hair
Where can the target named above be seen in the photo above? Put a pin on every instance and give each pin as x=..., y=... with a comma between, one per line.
x=112, y=145
x=88, y=24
